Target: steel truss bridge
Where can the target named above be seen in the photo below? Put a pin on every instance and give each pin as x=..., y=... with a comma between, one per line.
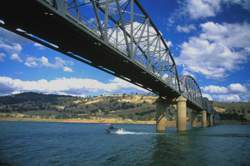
x=116, y=36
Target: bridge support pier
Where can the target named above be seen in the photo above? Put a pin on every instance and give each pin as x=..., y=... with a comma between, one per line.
x=204, y=118
x=181, y=114
x=161, y=120
x=194, y=119
x=211, y=120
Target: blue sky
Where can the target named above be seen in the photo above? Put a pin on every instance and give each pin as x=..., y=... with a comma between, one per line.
x=209, y=40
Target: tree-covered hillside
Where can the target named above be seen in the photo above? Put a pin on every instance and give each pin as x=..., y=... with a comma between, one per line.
x=57, y=106
x=136, y=107
x=234, y=110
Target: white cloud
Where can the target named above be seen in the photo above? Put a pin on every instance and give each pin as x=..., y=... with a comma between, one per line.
x=207, y=96
x=2, y=22
x=228, y=98
x=39, y=46
x=70, y=86
x=187, y=73
x=233, y=92
x=209, y=8
x=67, y=69
x=169, y=43
x=2, y=55
x=186, y=28
x=202, y=8
x=231, y=88
x=215, y=89
x=219, y=49
x=16, y=57
x=237, y=88
x=43, y=61
x=11, y=48
x=31, y=62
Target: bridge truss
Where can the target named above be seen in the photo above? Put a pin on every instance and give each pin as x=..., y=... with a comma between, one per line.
x=127, y=27
x=191, y=90
x=116, y=27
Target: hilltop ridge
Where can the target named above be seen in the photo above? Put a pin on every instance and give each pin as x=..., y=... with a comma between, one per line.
x=30, y=104
x=125, y=106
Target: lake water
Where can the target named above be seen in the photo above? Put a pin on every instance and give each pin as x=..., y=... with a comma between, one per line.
x=34, y=143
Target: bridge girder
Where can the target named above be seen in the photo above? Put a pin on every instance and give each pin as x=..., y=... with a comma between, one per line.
x=191, y=90
x=208, y=106
x=125, y=28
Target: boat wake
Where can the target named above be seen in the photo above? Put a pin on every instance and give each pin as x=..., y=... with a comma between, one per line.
x=125, y=132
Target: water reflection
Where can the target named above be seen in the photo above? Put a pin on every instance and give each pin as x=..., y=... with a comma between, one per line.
x=175, y=149
x=78, y=144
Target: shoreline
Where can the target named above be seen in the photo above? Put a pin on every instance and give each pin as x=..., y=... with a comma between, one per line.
x=225, y=122
x=84, y=121
x=107, y=121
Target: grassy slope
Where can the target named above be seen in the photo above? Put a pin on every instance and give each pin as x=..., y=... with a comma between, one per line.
x=55, y=106
x=135, y=107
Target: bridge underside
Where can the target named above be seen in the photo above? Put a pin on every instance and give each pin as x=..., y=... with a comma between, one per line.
x=28, y=15
x=45, y=26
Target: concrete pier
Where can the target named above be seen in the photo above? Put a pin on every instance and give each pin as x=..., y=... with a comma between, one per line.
x=194, y=119
x=161, y=121
x=211, y=120
x=204, y=118
x=161, y=124
x=181, y=114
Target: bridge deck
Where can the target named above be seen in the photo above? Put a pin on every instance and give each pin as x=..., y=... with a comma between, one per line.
x=72, y=39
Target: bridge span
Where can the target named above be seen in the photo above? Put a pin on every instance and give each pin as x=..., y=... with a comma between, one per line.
x=116, y=36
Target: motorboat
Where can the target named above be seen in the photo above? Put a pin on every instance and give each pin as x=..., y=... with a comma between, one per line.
x=113, y=129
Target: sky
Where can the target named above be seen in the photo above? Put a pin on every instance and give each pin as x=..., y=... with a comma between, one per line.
x=209, y=39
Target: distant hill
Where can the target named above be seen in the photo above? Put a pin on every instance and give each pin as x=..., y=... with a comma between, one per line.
x=234, y=110
x=31, y=104
x=136, y=107
x=33, y=97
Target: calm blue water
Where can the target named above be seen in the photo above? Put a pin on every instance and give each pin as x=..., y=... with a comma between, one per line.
x=34, y=143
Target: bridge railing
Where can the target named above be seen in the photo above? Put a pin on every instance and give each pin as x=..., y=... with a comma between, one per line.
x=127, y=27
x=124, y=25
x=191, y=90
x=208, y=105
